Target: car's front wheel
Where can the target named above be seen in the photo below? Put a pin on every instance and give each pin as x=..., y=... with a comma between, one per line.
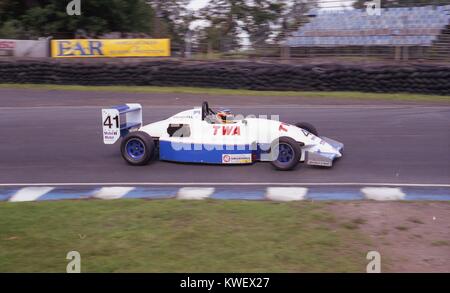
x=137, y=148
x=286, y=153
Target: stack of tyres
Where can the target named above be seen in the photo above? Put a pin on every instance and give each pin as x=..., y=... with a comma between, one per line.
x=428, y=79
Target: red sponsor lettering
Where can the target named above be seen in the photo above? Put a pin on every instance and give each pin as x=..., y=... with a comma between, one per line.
x=237, y=131
x=227, y=130
x=282, y=127
x=216, y=128
x=7, y=44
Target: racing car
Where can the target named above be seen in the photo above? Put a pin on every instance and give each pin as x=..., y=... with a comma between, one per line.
x=205, y=135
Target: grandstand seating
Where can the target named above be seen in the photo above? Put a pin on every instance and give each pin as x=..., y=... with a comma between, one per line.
x=408, y=26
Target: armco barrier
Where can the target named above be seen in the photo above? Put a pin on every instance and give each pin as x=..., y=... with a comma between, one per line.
x=428, y=79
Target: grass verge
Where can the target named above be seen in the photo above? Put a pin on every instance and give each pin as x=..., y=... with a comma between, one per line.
x=236, y=92
x=176, y=236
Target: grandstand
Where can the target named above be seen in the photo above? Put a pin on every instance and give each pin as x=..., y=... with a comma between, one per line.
x=418, y=31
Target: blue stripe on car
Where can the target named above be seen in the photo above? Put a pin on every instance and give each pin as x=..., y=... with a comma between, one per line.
x=200, y=153
x=121, y=108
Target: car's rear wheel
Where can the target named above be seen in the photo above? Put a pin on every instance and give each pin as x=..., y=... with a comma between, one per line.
x=308, y=127
x=137, y=148
x=286, y=153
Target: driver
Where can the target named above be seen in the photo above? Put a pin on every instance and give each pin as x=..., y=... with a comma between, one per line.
x=225, y=116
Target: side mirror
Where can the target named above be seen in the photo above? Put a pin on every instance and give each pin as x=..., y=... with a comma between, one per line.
x=244, y=122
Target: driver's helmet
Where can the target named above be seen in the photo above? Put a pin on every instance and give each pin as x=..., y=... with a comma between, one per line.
x=225, y=116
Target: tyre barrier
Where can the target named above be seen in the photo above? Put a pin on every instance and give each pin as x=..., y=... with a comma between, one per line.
x=426, y=79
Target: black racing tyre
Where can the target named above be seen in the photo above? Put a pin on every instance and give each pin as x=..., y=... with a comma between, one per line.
x=137, y=148
x=308, y=127
x=289, y=153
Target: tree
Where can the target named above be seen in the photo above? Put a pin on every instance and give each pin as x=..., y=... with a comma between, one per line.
x=263, y=21
x=228, y=20
x=295, y=13
x=222, y=29
x=172, y=19
x=263, y=17
x=36, y=18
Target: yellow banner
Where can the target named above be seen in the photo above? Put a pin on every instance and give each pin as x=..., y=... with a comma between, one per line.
x=111, y=48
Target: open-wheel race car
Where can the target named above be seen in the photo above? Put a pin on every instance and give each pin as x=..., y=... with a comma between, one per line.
x=204, y=135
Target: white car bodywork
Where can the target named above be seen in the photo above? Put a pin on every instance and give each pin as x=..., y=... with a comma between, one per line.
x=188, y=137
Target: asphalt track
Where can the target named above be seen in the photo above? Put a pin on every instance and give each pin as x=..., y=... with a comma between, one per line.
x=56, y=137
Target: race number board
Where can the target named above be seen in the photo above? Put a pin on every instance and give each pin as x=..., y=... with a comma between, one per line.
x=111, y=125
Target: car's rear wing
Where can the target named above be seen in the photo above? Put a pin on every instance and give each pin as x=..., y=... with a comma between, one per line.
x=118, y=120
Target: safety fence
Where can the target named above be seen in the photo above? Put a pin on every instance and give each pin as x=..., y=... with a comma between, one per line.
x=413, y=78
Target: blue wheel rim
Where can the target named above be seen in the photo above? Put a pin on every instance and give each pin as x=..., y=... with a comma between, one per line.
x=135, y=148
x=285, y=153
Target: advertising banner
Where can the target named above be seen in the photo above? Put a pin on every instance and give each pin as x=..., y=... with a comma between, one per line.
x=110, y=48
x=7, y=47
